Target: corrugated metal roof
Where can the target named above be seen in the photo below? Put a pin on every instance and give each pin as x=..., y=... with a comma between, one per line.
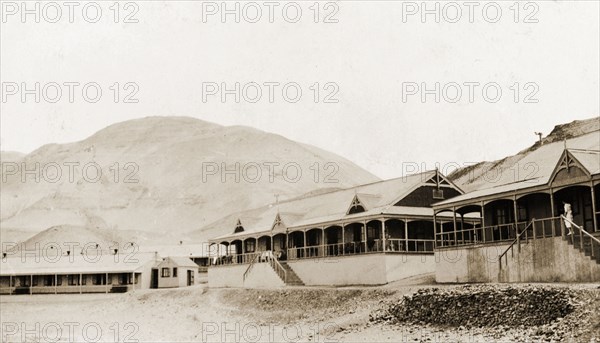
x=377, y=198
x=536, y=167
x=76, y=264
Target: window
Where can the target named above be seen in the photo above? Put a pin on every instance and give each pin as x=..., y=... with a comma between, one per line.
x=59, y=280
x=165, y=272
x=73, y=280
x=49, y=280
x=99, y=279
x=174, y=272
x=438, y=194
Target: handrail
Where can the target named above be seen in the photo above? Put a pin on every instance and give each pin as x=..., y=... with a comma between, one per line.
x=517, y=239
x=582, y=230
x=281, y=272
x=250, y=266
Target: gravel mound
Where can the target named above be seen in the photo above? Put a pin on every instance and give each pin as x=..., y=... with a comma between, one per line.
x=481, y=306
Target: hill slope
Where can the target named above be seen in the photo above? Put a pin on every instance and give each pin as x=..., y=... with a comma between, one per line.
x=472, y=177
x=147, y=175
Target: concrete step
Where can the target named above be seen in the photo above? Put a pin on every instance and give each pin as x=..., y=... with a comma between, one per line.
x=292, y=278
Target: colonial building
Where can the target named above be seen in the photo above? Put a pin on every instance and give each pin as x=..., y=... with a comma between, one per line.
x=522, y=235
x=97, y=272
x=370, y=234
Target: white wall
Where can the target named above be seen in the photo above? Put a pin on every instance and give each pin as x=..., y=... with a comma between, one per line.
x=341, y=271
x=402, y=266
x=262, y=275
x=542, y=260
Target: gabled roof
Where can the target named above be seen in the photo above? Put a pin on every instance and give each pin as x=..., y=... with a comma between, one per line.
x=537, y=168
x=181, y=250
x=182, y=261
x=375, y=197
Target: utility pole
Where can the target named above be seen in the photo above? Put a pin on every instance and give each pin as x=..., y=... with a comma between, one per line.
x=539, y=134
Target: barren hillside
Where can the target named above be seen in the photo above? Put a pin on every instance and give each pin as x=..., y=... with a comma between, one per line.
x=471, y=178
x=147, y=175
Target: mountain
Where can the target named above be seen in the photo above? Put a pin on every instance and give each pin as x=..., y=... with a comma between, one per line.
x=472, y=177
x=10, y=156
x=146, y=177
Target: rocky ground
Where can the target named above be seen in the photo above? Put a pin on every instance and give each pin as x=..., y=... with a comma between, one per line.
x=518, y=312
x=307, y=314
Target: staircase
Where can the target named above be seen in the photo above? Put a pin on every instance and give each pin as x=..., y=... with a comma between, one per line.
x=564, y=258
x=586, y=247
x=291, y=278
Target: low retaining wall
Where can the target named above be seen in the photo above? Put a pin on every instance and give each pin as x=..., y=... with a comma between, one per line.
x=540, y=260
x=261, y=275
x=369, y=269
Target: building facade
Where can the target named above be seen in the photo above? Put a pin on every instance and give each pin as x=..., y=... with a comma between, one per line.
x=523, y=232
x=370, y=234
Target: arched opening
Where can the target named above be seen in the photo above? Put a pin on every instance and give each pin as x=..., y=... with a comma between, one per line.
x=333, y=240
x=236, y=247
x=314, y=240
x=353, y=234
x=499, y=220
x=537, y=206
x=444, y=228
x=420, y=235
x=264, y=243
x=469, y=224
x=279, y=246
x=580, y=200
x=296, y=244
x=597, y=203
x=395, y=235
x=374, y=242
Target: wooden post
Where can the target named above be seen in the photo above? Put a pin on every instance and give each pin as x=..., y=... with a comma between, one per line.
x=406, y=234
x=106, y=284
x=10, y=283
x=516, y=221
x=383, y=239
x=343, y=238
x=483, y=222
x=323, y=241
x=363, y=235
x=454, y=222
x=552, y=214
x=594, y=209
x=304, y=254
x=435, y=231
x=462, y=228
x=31, y=285
x=133, y=281
x=55, y=284
x=80, y=283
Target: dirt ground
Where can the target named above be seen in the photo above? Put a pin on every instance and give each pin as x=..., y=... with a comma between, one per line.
x=199, y=314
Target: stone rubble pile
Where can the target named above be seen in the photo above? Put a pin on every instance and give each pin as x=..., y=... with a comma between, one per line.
x=476, y=306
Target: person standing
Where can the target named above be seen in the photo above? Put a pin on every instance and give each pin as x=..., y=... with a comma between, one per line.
x=569, y=217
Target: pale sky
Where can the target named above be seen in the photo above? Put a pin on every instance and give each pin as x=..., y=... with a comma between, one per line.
x=374, y=51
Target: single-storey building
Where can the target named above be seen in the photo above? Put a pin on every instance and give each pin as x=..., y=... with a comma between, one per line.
x=369, y=234
x=175, y=272
x=523, y=235
x=75, y=273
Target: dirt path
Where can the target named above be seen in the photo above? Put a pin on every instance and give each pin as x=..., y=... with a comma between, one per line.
x=198, y=314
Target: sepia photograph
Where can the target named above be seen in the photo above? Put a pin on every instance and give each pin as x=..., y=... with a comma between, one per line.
x=300, y=171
